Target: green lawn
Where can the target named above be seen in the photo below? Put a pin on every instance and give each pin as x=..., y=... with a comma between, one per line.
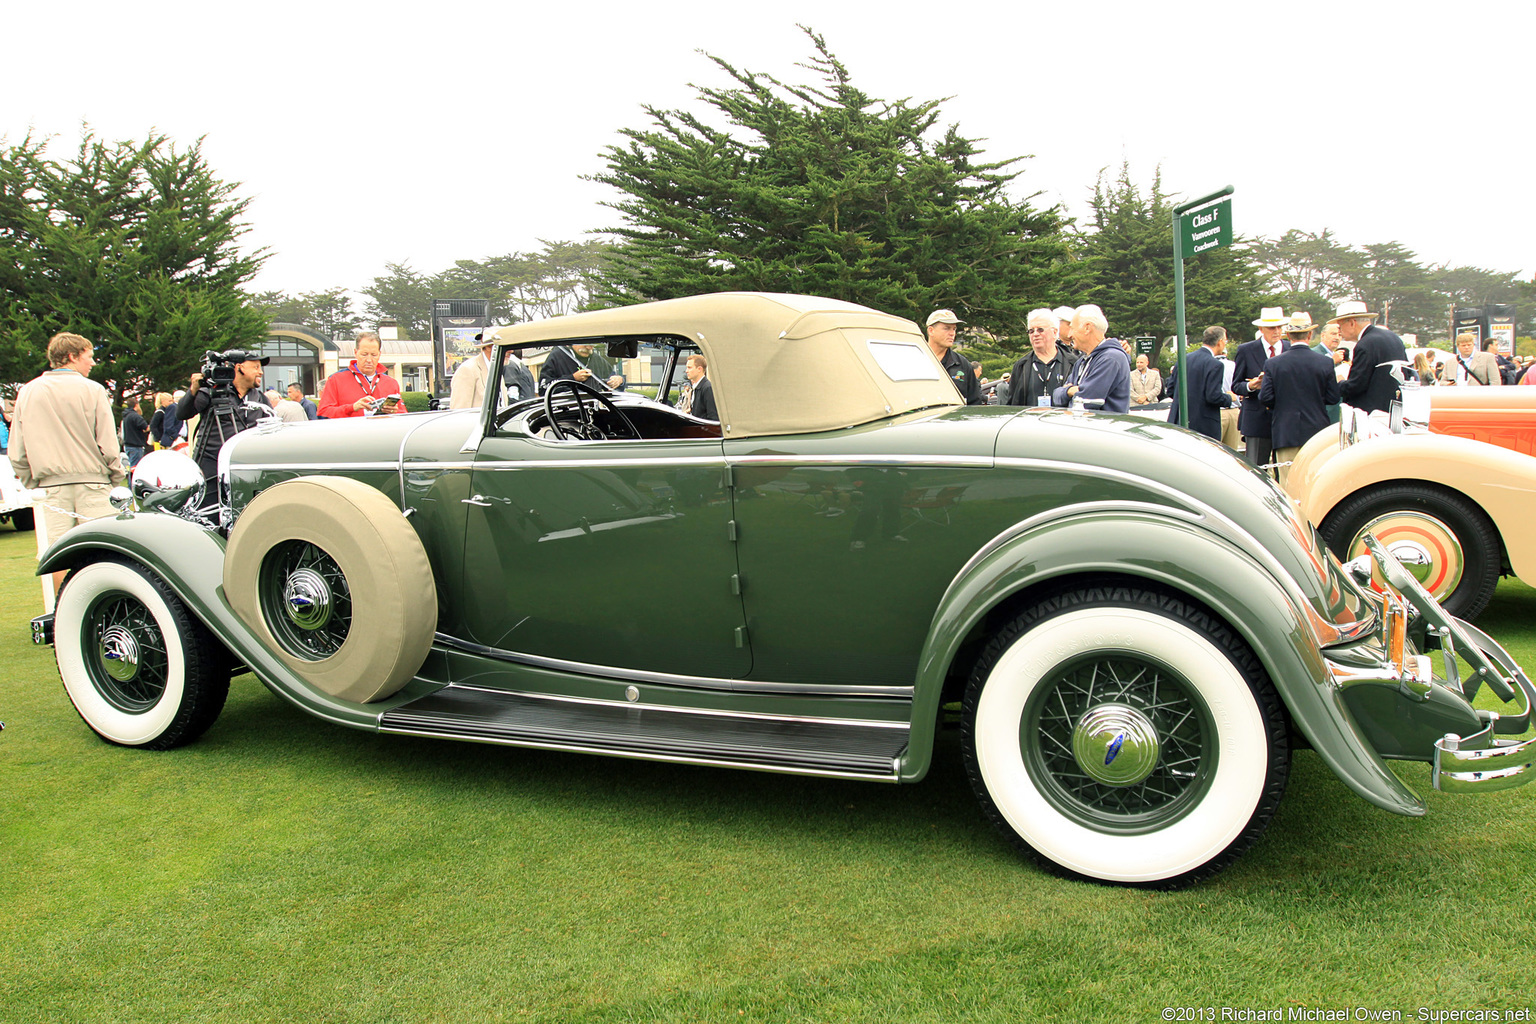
x=283, y=869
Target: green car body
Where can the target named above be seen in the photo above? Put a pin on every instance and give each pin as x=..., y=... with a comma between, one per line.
x=819, y=599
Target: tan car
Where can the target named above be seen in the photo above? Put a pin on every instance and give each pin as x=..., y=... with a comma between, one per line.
x=1456, y=497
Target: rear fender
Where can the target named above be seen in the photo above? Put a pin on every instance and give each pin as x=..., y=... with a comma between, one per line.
x=1178, y=551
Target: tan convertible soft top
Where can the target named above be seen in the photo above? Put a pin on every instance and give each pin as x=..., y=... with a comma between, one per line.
x=779, y=363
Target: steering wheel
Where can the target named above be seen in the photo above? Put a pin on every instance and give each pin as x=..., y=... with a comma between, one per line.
x=587, y=430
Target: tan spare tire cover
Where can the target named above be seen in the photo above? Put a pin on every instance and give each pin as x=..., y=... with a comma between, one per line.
x=394, y=600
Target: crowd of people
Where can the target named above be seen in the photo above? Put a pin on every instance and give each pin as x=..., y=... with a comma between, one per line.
x=1268, y=398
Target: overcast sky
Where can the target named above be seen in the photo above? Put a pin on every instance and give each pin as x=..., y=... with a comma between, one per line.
x=428, y=132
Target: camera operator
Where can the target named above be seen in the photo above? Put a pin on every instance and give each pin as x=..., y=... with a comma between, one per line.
x=220, y=395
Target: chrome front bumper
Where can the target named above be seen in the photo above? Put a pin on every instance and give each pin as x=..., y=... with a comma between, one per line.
x=1483, y=761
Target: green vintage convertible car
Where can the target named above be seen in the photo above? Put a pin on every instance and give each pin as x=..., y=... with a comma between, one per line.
x=1131, y=630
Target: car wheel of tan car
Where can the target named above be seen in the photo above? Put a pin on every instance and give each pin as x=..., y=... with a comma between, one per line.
x=140, y=669
x=333, y=580
x=1440, y=534
x=1125, y=736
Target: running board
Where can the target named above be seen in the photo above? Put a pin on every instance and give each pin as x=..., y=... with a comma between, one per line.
x=805, y=746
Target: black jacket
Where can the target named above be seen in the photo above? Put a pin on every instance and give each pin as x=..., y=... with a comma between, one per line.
x=704, y=400
x=963, y=377
x=1025, y=383
x=135, y=429
x=1299, y=386
x=1206, y=398
x=214, y=430
x=1247, y=363
x=1370, y=385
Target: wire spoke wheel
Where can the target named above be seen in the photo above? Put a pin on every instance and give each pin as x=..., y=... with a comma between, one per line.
x=138, y=666
x=306, y=599
x=301, y=553
x=1122, y=743
x=1125, y=735
x=126, y=659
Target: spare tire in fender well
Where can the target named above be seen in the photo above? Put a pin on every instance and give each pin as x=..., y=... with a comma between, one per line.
x=295, y=559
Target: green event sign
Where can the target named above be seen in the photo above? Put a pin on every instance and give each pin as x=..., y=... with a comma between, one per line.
x=1206, y=228
x=1198, y=226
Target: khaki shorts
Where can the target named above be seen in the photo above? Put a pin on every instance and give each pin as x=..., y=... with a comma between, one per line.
x=87, y=501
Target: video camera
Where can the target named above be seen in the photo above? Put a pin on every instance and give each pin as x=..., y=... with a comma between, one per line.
x=219, y=368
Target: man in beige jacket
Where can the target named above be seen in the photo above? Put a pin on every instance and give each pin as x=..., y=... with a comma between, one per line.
x=64, y=441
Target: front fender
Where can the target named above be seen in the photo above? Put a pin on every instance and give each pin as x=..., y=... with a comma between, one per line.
x=1500, y=481
x=190, y=559
x=1180, y=551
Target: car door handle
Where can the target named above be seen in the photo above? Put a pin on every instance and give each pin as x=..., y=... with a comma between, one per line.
x=478, y=499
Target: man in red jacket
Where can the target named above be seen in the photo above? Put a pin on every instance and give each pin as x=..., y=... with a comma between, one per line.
x=363, y=388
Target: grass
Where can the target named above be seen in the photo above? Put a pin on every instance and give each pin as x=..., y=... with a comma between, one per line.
x=282, y=869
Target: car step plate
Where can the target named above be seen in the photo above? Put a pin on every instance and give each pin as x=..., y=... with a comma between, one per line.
x=804, y=746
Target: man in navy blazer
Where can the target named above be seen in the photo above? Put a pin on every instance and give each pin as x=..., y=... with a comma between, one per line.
x=1370, y=385
x=1299, y=386
x=1253, y=419
x=1206, y=398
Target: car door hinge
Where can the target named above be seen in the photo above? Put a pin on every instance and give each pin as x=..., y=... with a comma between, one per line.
x=730, y=530
x=736, y=584
x=729, y=479
x=741, y=636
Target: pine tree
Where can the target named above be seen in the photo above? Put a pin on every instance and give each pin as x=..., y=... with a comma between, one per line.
x=133, y=245
x=1129, y=250
x=826, y=190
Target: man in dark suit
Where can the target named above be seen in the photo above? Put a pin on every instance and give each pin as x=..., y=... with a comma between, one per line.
x=1370, y=385
x=1206, y=398
x=1299, y=386
x=700, y=399
x=1253, y=420
x=569, y=362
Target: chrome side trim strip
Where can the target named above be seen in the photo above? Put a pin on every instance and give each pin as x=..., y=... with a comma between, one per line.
x=860, y=723
x=614, y=463
x=318, y=467
x=668, y=679
x=955, y=461
x=642, y=756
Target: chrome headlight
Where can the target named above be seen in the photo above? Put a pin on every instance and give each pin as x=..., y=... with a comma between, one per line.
x=167, y=481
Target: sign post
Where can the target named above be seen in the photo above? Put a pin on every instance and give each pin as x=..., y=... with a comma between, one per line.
x=1198, y=226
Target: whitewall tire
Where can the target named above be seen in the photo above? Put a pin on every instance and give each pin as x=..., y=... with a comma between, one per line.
x=139, y=668
x=1125, y=736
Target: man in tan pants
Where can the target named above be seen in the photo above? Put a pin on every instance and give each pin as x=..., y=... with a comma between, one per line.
x=64, y=441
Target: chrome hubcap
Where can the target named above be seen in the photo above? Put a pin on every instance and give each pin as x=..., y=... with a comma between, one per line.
x=307, y=599
x=1428, y=549
x=119, y=653
x=1115, y=744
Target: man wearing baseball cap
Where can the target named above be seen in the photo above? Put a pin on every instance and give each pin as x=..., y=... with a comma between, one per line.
x=213, y=429
x=942, y=325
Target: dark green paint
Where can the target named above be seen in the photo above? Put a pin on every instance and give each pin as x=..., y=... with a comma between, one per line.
x=847, y=558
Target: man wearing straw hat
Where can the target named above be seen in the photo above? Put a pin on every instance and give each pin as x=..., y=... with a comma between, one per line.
x=1299, y=387
x=1370, y=385
x=1253, y=420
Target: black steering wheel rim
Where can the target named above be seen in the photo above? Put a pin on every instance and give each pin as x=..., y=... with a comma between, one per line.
x=588, y=424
